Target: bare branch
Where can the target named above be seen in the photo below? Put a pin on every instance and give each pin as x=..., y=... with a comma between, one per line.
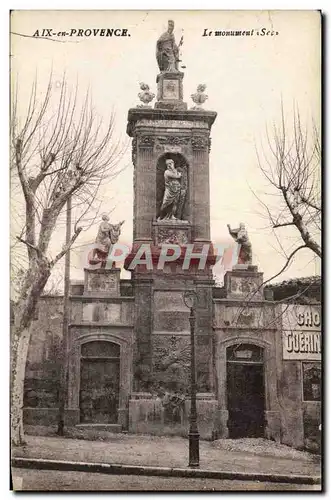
x=283, y=224
x=291, y=169
x=68, y=246
x=29, y=245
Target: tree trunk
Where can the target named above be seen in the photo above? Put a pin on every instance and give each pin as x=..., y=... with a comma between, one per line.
x=17, y=385
x=34, y=283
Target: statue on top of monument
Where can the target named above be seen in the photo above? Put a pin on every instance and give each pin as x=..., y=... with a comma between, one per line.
x=240, y=236
x=167, y=52
x=108, y=235
x=146, y=96
x=174, y=192
x=199, y=97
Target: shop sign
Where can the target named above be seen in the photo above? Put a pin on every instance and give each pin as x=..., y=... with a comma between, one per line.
x=301, y=332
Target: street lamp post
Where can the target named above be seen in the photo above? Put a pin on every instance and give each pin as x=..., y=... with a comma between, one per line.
x=190, y=301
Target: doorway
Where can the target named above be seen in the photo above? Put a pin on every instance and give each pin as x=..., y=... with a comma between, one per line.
x=99, y=382
x=245, y=390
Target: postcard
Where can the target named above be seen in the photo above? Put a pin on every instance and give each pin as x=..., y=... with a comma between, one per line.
x=165, y=250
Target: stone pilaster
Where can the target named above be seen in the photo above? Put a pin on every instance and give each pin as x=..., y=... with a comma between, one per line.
x=200, y=172
x=145, y=186
x=142, y=354
x=204, y=336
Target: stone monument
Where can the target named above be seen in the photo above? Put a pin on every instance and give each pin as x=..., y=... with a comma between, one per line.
x=170, y=154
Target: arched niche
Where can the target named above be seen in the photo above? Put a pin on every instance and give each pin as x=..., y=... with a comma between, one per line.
x=181, y=164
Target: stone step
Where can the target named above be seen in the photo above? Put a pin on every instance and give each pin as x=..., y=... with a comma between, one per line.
x=115, y=428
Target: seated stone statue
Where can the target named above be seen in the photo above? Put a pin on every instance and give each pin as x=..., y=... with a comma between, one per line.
x=108, y=235
x=240, y=236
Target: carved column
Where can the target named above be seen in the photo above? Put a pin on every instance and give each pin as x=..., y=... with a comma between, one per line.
x=201, y=209
x=145, y=182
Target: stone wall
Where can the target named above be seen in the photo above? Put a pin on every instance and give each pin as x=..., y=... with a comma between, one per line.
x=155, y=415
x=43, y=366
x=91, y=318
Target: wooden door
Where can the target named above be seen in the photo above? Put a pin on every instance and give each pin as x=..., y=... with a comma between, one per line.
x=100, y=381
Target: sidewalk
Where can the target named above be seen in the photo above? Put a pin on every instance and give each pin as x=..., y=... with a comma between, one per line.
x=232, y=456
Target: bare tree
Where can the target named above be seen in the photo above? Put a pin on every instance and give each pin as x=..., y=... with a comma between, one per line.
x=291, y=165
x=60, y=150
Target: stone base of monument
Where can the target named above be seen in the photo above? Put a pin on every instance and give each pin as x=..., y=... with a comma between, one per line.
x=244, y=283
x=170, y=91
x=147, y=414
x=174, y=232
x=102, y=282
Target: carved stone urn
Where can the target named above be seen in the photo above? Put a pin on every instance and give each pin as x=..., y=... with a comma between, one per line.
x=199, y=97
x=146, y=96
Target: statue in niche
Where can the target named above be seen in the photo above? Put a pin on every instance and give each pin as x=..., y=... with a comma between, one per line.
x=167, y=52
x=240, y=236
x=108, y=234
x=183, y=191
x=174, y=192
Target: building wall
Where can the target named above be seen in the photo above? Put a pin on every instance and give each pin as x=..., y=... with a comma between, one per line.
x=289, y=418
x=91, y=318
x=255, y=323
x=301, y=357
x=101, y=319
x=292, y=413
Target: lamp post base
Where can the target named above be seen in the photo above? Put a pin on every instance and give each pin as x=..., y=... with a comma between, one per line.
x=194, y=459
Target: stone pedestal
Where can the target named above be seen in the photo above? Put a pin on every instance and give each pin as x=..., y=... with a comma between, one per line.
x=244, y=283
x=170, y=91
x=102, y=282
x=171, y=232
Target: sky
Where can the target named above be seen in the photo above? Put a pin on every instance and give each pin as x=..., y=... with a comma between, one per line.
x=246, y=80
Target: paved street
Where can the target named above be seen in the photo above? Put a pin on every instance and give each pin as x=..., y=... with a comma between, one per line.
x=256, y=456
x=247, y=456
x=35, y=480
